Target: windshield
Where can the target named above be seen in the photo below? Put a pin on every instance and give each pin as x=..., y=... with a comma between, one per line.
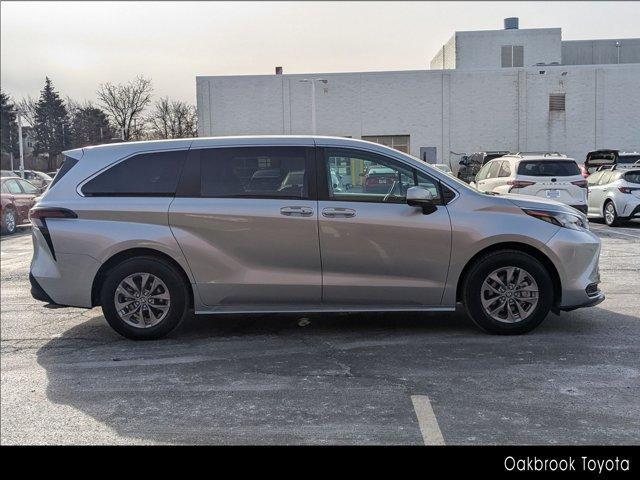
x=549, y=168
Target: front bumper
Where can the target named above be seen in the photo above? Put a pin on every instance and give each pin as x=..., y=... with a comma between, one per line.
x=592, y=302
x=576, y=255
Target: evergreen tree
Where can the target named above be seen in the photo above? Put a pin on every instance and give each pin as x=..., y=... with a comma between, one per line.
x=8, y=126
x=89, y=126
x=51, y=129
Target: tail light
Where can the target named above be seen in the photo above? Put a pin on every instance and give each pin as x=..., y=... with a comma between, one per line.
x=580, y=183
x=38, y=217
x=519, y=184
x=625, y=189
x=40, y=213
x=583, y=171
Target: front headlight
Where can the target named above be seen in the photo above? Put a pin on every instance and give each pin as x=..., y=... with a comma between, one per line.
x=562, y=219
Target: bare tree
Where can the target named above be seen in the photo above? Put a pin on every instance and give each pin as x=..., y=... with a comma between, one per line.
x=173, y=119
x=125, y=104
x=27, y=107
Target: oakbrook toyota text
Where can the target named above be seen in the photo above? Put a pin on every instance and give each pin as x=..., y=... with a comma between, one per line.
x=569, y=464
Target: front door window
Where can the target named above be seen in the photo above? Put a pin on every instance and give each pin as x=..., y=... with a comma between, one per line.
x=359, y=176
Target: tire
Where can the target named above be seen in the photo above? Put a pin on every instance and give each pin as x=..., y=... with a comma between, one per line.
x=610, y=214
x=474, y=292
x=158, y=318
x=9, y=221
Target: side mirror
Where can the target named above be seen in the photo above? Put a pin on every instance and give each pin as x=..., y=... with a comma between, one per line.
x=421, y=197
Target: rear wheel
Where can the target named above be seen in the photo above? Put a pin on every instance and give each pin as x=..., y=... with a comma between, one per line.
x=508, y=292
x=9, y=221
x=144, y=298
x=610, y=215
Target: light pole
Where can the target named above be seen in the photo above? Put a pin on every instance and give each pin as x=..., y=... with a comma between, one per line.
x=313, y=81
x=20, y=143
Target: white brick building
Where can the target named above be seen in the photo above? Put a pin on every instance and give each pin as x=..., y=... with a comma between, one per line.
x=474, y=104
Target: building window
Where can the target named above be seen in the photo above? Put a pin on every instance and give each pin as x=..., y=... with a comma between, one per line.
x=399, y=142
x=512, y=56
x=557, y=102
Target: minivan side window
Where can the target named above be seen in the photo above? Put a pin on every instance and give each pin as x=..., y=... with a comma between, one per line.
x=254, y=172
x=360, y=176
x=147, y=174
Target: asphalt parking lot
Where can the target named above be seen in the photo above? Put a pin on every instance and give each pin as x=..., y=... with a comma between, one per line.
x=67, y=378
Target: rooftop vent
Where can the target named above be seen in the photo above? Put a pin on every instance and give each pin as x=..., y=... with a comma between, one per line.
x=278, y=70
x=511, y=23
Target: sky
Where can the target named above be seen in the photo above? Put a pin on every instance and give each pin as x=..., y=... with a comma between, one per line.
x=82, y=44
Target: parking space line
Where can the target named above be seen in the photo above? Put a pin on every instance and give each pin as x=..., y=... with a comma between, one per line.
x=431, y=434
x=615, y=232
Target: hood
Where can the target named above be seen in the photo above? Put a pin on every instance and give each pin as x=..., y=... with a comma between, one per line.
x=529, y=201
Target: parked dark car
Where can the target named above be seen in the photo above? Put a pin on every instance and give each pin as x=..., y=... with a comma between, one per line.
x=470, y=165
x=379, y=179
x=607, y=158
x=18, y=196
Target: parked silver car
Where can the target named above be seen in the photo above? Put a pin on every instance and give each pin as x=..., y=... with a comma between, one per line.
x=153, y=230
x=614, y=195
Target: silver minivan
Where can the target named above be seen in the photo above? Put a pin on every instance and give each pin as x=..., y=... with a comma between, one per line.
x=152, y=231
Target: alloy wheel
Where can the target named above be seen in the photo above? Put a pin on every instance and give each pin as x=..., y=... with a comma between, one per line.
x=509, y=294
x=10, y=221
x=609, y=213
x=142, y=300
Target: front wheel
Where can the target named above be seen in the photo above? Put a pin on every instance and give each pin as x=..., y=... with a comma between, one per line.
x=144, y=298
x=508, y=292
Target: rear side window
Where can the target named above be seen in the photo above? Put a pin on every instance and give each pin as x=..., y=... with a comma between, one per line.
x=606, y=178
x=28, y=187
x=548, y=168
x=67, y=165
x=13, y=187
x=493, y=170
x=593, y=178
x=254, y=172
x=505, y=170
x=632, y=177
x=147, y=174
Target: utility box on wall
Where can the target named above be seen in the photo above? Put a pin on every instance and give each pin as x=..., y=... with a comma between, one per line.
x=429, y=154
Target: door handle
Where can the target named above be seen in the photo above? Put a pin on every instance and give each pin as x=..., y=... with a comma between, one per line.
x=296, y=211
x=338, y=212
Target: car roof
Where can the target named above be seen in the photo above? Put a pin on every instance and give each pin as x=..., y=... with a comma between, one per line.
x=236, y=141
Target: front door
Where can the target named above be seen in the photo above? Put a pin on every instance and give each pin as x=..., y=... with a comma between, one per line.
x=249, y=231
x=376, y=249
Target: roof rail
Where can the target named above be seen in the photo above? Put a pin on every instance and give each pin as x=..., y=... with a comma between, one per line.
x=542, y=153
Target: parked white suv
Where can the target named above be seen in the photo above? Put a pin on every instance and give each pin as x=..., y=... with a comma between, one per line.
x=615, y=195
x=547, y=175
